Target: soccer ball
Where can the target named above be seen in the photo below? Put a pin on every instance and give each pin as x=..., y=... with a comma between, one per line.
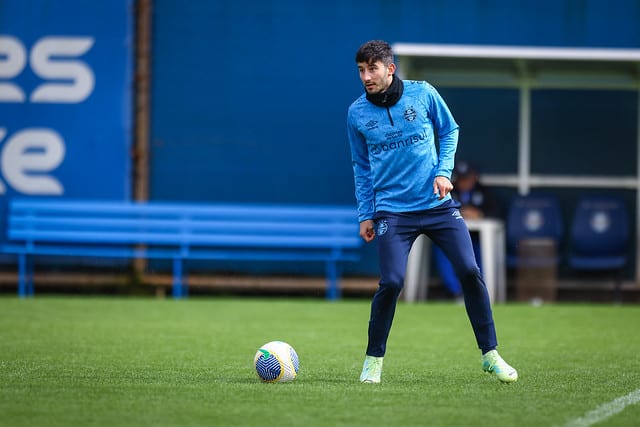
x=276, y=362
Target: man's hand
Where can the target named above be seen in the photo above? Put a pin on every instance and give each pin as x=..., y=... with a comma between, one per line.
x=441, y=186
x=366, y=230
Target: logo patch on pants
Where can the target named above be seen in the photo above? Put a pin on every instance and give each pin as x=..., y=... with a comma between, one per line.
x=382, y=227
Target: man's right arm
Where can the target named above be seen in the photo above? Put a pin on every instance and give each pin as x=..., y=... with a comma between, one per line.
x=361, y=172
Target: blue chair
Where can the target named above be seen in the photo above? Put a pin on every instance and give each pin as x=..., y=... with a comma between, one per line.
x=600, y=236
x=533, y=216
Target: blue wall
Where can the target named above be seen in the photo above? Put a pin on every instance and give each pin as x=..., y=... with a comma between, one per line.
x=250, y=98
x=65, y=98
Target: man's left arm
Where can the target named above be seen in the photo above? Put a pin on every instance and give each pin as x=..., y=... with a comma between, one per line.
x=447, y=130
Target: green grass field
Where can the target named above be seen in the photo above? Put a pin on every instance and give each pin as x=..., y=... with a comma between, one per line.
x=133, y=361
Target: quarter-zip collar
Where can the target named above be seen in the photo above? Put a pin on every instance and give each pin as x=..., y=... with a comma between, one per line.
x=389, y=97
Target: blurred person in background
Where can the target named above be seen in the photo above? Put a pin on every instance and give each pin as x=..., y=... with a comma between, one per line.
x=403, y=190
x=476, y=202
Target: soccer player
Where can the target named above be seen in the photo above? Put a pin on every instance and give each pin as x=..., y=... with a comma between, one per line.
x=402, y=189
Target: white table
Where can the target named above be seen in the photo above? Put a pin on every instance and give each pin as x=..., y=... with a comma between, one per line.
x=493, y=253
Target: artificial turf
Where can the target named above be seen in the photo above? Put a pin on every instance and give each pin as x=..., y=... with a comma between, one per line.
x=141, y=361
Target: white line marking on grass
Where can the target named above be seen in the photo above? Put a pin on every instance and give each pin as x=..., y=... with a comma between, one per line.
x=606, y=410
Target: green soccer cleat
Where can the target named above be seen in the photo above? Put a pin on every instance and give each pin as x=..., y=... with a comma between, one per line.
x=372, y=370
x=494, y=364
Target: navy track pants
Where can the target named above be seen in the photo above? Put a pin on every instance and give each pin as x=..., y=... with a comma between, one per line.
x=395, y=233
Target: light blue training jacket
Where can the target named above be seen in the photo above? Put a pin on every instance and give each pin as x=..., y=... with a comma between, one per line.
x=393, y=150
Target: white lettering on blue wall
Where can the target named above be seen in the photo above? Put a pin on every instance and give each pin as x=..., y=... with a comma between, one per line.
x=26, y=159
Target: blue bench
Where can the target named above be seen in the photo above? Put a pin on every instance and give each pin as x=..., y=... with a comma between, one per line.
x=180, y=232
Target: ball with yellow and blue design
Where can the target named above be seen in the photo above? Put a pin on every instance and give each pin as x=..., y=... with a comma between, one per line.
x=276, y=361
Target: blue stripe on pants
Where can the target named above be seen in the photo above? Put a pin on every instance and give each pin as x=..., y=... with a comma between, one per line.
x=395, y=233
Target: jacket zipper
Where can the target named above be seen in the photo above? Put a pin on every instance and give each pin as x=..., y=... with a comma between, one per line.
x=390, y=118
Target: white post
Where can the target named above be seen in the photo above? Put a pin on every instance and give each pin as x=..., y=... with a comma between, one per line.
x=416, y=281
x=524, y=138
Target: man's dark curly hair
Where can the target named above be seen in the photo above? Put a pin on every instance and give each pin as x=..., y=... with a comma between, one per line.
x=373, y=51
